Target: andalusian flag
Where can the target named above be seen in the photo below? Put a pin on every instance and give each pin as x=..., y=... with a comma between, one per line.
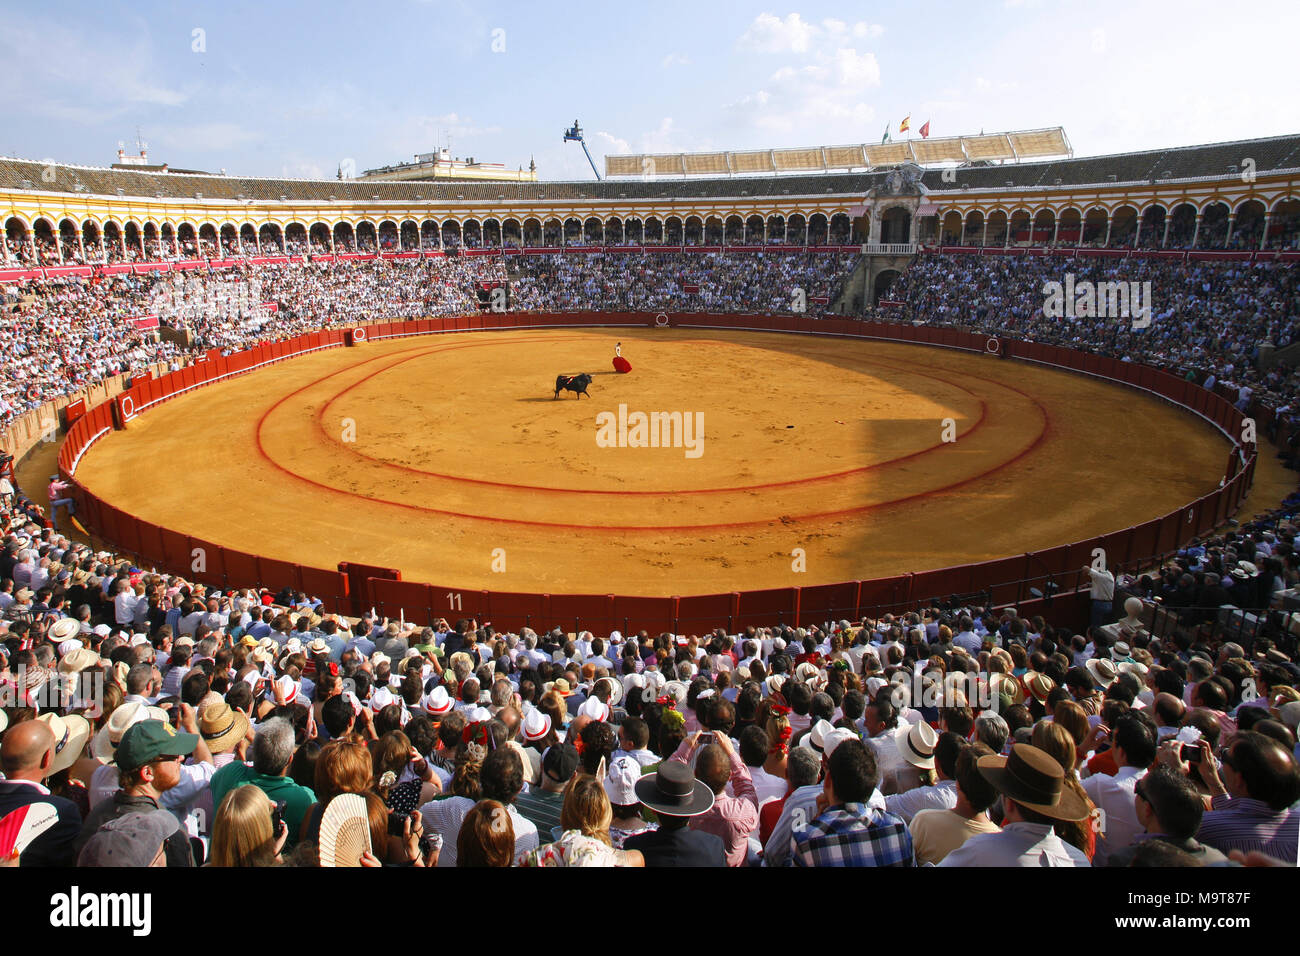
x=885, y=139
x=902, y=127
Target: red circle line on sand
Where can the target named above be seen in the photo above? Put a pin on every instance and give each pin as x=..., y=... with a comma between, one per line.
x=861, y=509
x=515, y=486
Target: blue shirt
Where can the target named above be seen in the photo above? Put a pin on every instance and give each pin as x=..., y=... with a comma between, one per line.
x=854, y=834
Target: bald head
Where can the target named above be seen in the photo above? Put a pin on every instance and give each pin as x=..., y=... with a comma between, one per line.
x=713, y=767
x=25, y=752
x=1169, y=710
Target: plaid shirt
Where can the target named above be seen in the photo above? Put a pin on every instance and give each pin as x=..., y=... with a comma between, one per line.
x=854, y=834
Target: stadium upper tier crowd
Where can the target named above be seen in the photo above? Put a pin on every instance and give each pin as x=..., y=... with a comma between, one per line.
x=167, y=724
x=1207, y=318
x=61, y=334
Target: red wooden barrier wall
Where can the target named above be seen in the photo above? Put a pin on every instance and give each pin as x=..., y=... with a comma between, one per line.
x=353, y=588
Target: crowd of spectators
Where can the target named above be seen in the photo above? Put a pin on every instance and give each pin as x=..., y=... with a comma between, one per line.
x=195, y=726
x=169, y=724
x=61, y=334
x=722, y=282
x=1208, y=320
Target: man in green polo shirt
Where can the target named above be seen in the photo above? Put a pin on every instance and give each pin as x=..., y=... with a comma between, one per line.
x=272, y=753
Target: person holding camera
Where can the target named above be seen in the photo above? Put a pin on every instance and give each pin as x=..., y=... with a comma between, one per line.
x=249, y=830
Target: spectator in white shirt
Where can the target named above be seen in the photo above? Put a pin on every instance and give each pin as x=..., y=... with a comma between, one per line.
x=598, y=658
x=754, y=753
x=880, y=721
x=942, y=795
x=124, y=605
x=633, y=741
x=1134, y=740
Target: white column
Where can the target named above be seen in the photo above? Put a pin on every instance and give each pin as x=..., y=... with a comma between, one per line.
x=1169, y=220
x=1232, y=218
x=1056, y=228
x=1264, y=238
x=1109, y=221
x=1196, y=232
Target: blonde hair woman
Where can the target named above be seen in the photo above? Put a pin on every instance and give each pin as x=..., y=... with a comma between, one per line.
x=1057, y=741
x=585, y=820
x=242, y=832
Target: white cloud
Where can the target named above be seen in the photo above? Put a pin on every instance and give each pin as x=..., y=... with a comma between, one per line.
x=41, y=82
x=771, y=34
x=616, y=146
x=816, y=98
x=674, y=59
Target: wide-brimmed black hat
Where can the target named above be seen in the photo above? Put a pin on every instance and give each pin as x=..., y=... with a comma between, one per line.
x=674, y=791
x=1032, y=778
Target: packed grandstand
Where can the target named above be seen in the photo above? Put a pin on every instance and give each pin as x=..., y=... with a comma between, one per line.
x=1159, y=730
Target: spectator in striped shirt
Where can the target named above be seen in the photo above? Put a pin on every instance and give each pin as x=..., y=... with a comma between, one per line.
x=847, y=832
x=1251, y=798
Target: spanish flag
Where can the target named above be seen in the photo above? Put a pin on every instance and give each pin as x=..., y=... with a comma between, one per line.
x=925, y=130
x=902, y=127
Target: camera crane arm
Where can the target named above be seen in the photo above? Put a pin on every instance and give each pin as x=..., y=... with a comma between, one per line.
x=575, y=133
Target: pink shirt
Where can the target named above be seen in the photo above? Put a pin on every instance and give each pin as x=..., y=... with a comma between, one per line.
x=731, y=818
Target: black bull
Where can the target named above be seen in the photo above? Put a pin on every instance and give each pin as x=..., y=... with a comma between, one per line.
x=573, y=383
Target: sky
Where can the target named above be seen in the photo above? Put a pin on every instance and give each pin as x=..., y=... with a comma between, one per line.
x=298, y=89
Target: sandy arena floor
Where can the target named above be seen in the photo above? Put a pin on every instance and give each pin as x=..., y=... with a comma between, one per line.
x=429, y=454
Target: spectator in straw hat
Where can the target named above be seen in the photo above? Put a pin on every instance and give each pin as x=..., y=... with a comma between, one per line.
x=104, y=780
x=1032, y=785
x=942, y=793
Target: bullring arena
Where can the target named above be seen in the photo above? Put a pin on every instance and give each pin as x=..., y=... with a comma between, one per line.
x=923, y=502
x=830, y=445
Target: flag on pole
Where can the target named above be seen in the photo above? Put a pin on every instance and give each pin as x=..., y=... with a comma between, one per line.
x=925, y=130
x=885, y=139
x=902, y=127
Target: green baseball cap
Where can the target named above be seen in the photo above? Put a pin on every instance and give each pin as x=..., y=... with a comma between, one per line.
x=150, y=739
